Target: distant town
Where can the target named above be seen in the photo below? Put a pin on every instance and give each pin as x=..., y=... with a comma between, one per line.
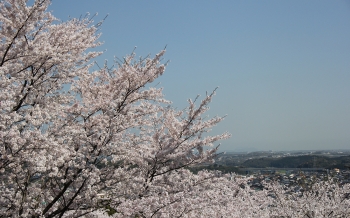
x=292, y=168
x=287, y=159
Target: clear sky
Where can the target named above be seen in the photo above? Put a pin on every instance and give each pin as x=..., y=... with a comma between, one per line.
x=282, y=67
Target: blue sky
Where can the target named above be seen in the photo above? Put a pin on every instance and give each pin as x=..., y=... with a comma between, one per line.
x=282, y=67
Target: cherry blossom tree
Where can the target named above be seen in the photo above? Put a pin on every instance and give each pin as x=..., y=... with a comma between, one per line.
x=75, y=140
x=322, y=199
x=81, y=142
x=215, y=195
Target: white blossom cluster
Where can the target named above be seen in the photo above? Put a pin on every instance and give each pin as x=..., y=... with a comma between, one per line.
x=76, y=142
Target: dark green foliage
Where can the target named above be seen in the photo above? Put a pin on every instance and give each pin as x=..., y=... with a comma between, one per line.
x=110, y=210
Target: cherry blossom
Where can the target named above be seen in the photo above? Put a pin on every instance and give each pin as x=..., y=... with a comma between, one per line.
x=106, y=135
x=81, y=142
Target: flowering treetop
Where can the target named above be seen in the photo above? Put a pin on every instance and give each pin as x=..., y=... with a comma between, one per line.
x=107, y=133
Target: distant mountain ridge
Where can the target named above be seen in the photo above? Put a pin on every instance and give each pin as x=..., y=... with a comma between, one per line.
x=304, y=161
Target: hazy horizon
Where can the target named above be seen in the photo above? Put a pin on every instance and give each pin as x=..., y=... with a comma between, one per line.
x=254, y=149
x=282, y=66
